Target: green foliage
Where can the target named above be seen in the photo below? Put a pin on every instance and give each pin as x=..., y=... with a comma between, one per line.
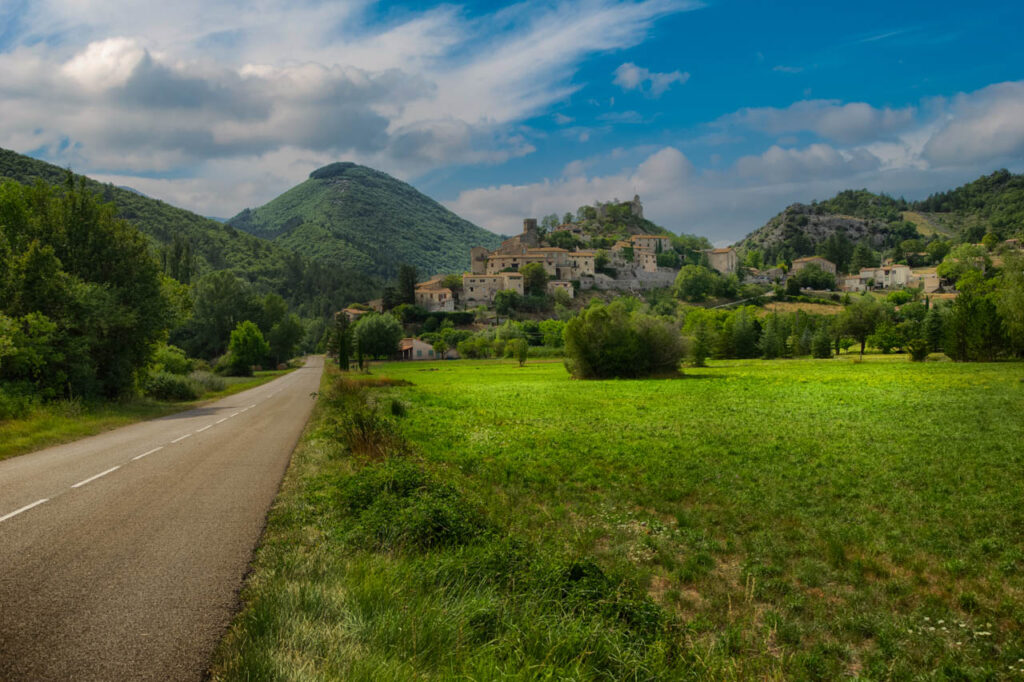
x=535, y=279
x=284, y=338
x=701, y=346
x=963, y=259
x=506, y=301
x=813, y=277
x=552, y=333
x=518, y=348
x=1009, y=300
x=918, y=350
x=695, y=283
x=171, y=359
x=863, y=204
x=81, y=287
x=608, y=341
x=859, y=319
x=974, y=330
x=377, y=336
x=407, y=284
x=246, y=348
x=168, y=386
x=821, y=344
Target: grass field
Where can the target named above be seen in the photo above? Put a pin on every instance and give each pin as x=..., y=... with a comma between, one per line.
x=64, y=422
x=791, y=519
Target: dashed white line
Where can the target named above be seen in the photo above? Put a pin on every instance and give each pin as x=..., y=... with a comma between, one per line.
x=150, y=452
x=204, y=428
x=23, y=509
x=253, y=405
x=181, y=438
x=93, y=478
x=235, y=414
x=221, y=421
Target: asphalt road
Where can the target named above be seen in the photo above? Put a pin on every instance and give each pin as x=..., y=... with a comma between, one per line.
x=121, y=555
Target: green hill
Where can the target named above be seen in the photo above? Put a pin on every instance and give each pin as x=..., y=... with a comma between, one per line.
x=992, y=203
x=355, y=217
x=189, y=245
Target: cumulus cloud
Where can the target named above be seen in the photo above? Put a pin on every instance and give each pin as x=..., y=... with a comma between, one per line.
x=845, y=123
x=815, y=161
x=629, y=76
x=983, y=125
x=120, y=87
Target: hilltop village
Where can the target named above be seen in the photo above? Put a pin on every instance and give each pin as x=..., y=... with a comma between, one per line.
x=581, y=255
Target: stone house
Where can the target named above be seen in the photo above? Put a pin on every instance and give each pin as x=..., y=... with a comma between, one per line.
x=479, y=289
x=887, y=276
x=823, y=263
x=555, y=285
x=724, y=260
x=415, y=349
x=434, y=297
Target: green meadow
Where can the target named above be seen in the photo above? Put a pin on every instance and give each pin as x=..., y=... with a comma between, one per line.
x=788, y=519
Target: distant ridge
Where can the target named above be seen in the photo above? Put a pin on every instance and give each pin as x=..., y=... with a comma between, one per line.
x=363, y=219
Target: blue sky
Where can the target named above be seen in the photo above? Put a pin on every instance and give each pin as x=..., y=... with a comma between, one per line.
x=718, y=113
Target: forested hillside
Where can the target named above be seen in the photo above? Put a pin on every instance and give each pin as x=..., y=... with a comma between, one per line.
x=357, y=218
x=991, y=205
x=188, y=245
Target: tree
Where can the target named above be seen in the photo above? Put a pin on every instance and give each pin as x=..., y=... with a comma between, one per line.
x=860, y=318
x=519, y=349
x=934, y=330
x=377, y=336
x=440, y=348
x=341, y=339
x=821, y=343
x=609, y=341
x=1009, y=299
x=284, y=337
x=505, y=301
x=222, y=300
x=973, y=328
x=694, y=283
x=937, y=249
x=600, y=260
x=246, y=348
x=863, y=257
x=535, y=279
x=68, y=262
x=407, y=284
x=701, y=344
x=963, y=259
x=552, y=333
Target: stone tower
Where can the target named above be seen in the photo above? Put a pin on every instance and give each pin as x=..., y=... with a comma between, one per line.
x=478, y=260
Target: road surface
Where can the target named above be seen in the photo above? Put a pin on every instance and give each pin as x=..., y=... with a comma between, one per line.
x=121, y=555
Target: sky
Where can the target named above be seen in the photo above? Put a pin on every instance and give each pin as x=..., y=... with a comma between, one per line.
x=717, y=113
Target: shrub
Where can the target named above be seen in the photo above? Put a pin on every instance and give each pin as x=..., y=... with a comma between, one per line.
x=15, y=403
x=918, y=350
x=398, y=505
x=608, y=341
x=171, y=359
x=166, y=386
x=207, y=381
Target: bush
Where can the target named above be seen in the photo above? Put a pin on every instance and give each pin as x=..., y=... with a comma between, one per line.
x=171, y=359
x=608, y=341
x=398, y=505
x=207, y=381
x=15, y=403
x=166, y=386
x=918, y=350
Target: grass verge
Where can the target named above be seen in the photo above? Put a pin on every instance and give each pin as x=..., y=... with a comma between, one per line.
x=66, y=421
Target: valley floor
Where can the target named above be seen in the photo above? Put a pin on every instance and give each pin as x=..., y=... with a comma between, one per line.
x=797, y=519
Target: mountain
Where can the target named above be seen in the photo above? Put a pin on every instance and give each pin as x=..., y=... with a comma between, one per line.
x=359, y=218
x=851, y=217
x=189, y=245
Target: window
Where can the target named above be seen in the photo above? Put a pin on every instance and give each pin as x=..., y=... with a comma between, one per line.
x=419, y=353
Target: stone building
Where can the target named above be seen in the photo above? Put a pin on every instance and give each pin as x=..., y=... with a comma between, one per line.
x=823, y=263
x=435, y=297
x=724, y=260
x=479, y=289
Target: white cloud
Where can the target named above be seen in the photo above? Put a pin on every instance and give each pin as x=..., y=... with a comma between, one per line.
x=845, y=123
x=121, y=86
x=629, y=76
x=984, y=125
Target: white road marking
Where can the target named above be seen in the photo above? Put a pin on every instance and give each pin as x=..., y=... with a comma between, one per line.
x=253, y=405
x=181, y=438
x=221, y=421
x=144, y=454
x=234, y=415
x=23, y=509
x=93, y=478
x=204, y=428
